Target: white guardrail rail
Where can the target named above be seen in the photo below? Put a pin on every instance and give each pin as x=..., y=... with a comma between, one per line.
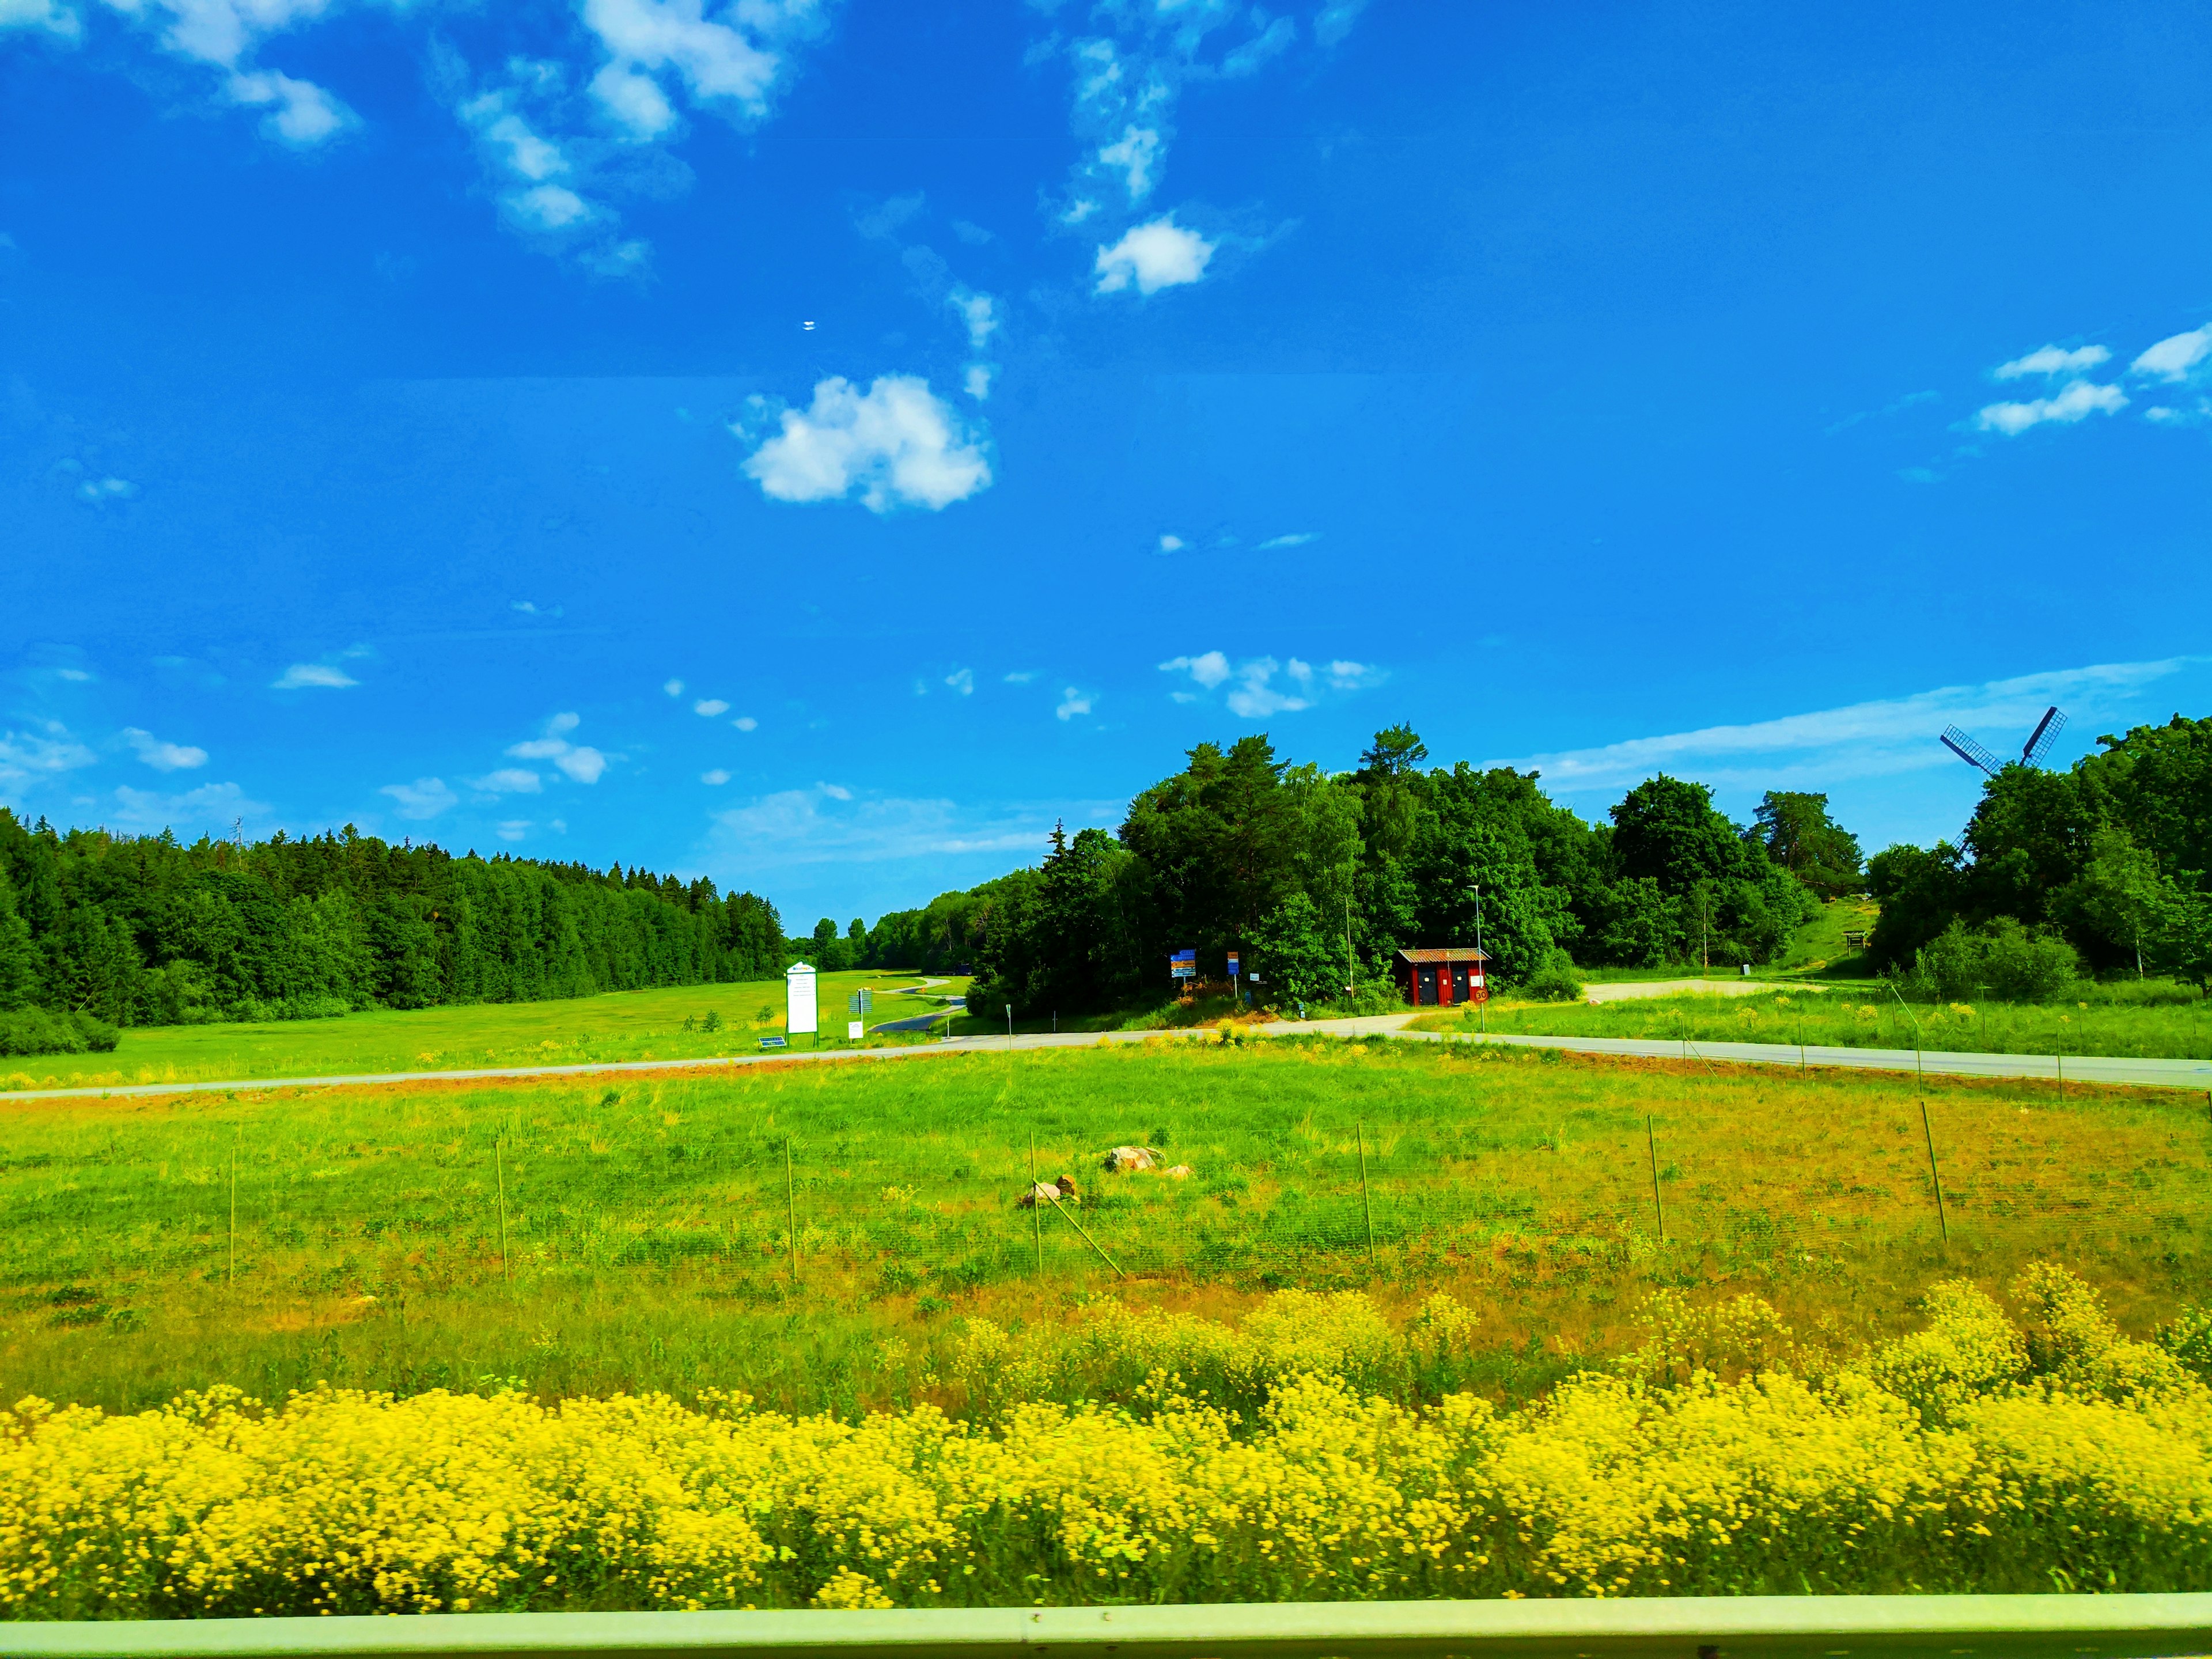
x=2054, y=1626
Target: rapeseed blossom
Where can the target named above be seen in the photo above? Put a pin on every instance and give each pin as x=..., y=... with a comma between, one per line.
x=1975, y=1454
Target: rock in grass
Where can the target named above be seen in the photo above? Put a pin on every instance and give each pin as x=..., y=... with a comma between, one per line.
x=1124, y=1160
x=1060, y=1192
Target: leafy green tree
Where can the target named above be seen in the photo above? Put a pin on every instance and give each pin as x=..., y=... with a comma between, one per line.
x=1296, y=955
x=1799, y=835
x=19, y=956
x=2121, y=892
x=1920, y=892
x=1667, y=829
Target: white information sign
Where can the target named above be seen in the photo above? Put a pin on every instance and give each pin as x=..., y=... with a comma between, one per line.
x=851, y=1030
x=799, y=1000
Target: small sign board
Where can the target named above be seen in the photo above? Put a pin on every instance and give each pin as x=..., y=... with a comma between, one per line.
x=853, y=1030
x=799, y=1015
x=862, y=1001
x=775, y=1043
x=1233, y=965
x=1183, y=964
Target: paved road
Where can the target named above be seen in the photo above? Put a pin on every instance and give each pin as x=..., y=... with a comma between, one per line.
x=2151, y=1074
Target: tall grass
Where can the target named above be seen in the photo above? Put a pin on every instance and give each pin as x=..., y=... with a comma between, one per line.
x=649, y=1249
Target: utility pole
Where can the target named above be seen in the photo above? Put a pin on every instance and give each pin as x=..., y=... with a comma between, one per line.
x=1482, y=963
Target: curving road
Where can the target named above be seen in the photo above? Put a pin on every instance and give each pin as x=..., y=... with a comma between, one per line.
x=2078, y=1068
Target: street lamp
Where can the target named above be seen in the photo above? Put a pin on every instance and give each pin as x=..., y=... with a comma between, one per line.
x=1482, y=962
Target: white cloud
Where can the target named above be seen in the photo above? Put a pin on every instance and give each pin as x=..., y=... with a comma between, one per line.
x=961, y=680
x=834, y=791
x=1134, y=155
x=731, y=64
x=76, y=676
x=1021, y=676
x=896, y=445
x=804, y=826
x=508, y=780
x=1868, y=739
x=746, y=723
x=2176, y=356
x=1172, y=544
x=547, y=207
x=710, y=707
x=980, y=312
x=98, y=492
x=163, y=756
x=302, y=676
x=636, y=101
x=977, y=384
x=577, y=761
x=1073, y=702
x=1154, y=256
x=2168, y=416
x=425, y=798
x=1295, y=539
x=47, y=749
x=1254, y=691
x=2053, y=361
x=2073, y=404
x=1207, y=670
x=718, y=777
x=55, y=18
x=513, y=828
x=674, y=688
x=304, y=114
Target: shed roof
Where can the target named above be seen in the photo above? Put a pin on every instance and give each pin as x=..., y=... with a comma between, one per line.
x=1445, y=953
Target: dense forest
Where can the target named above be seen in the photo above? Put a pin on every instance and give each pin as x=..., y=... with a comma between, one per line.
x=1310, y=874
x=147, y=931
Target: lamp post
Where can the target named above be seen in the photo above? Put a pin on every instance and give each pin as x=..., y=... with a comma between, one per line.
x=1482, y=962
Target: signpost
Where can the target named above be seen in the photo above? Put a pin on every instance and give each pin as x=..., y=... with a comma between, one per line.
x=1235, y=995
x=800, y=1010
x=861, y=1002
x=1183, y=964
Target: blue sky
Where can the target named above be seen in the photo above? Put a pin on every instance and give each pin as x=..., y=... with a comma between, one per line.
x=820, y=444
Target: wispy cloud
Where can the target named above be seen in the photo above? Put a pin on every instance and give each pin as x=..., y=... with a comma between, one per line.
x=1867, y=740
x=796, y=827
x=710, y=707
x=1074, y=701
x=1910, y=400
x=2053, y=361
x=508, y=780
x=2071, y=404
x=425, y=798
x=512, y=829
x=212, y=806
x=163, y=756
x=1020, y=677
x=674, y=688
x=897, y=445
x=716, y=778
x=313, y=675
x=2176, y=358
x=746, y=723
x=1295, y=539
x=578, y=761
x=961, y=680
x=1260, y=686
x=43, y=748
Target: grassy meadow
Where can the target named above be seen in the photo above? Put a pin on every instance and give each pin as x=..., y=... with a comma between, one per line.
x=2157, y=1020
x=647, y=1243
x=618, y=1025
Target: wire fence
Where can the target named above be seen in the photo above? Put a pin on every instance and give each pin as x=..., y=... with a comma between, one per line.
x=1325, y=1201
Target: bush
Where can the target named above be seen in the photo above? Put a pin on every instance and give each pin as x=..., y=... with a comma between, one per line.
x=1555, y=980
x=39, y=1031
x=2002, y=959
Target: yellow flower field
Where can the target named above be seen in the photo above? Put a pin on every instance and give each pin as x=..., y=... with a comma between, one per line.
x=2038, y=1450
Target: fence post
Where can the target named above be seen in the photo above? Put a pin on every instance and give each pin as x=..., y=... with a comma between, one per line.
x=1934, y=1174
x=790, y=1209
x=499, y=1164
x=230, y=1274
x=1651, y=1145
x=1087, y=1238
x=1366, y=1209
x=1037, y=1221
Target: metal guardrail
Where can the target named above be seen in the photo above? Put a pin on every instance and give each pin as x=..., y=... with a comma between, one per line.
x=1689, y=1627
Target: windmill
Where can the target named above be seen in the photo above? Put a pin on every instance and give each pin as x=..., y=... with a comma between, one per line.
x=2031, y=754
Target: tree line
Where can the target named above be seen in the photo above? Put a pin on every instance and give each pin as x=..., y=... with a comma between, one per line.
x=147, y=931
x=1316, y=878
x=2105, y=867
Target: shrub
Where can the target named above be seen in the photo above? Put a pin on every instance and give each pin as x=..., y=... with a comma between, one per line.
x=1555, y=980
x=41, y=1032
x=2001, y=958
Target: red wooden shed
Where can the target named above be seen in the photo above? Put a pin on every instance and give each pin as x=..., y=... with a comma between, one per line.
x=1440, y=977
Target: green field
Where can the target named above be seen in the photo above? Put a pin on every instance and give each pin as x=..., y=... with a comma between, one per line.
x=648, y=1244
x=2157, y=1020
x=620, y=1025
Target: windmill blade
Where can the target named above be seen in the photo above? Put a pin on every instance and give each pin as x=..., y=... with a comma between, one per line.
x=1969, y=752
x=2045, y=734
